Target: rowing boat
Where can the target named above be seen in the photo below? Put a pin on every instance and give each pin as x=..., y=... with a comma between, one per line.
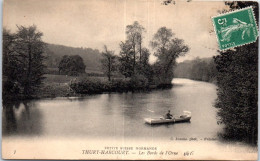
x=185, y=117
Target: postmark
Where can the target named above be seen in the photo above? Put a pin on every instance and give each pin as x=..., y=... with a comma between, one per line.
x=235, y=28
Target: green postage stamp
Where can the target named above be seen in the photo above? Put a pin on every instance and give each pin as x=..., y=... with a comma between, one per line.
x=235, y=28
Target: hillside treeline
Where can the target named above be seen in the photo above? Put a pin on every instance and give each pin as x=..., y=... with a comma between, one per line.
x=54, y=54
x=202, y=69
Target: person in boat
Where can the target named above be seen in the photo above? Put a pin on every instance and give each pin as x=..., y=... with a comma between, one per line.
x=168, y=115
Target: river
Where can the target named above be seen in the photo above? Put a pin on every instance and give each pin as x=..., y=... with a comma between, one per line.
x=119, y=114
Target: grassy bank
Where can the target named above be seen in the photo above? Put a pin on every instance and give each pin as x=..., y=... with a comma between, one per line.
x=58, y=86
x=68, y=86
x=55, y=86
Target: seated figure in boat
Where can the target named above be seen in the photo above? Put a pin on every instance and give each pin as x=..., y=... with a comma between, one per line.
x=168, y=115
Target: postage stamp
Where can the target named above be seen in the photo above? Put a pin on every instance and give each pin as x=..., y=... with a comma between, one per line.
x=235, y=28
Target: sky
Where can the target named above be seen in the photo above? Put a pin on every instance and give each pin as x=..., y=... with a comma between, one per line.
x=95, y=23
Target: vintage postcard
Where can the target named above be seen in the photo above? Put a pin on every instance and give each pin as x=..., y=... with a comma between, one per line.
x=130, y=79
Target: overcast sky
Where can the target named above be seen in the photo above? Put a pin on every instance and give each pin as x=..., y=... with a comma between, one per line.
x=94, y=23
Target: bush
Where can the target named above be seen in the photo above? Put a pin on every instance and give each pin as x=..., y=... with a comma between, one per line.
x=138, y=82
x=88, y=86
x=85, y=85
x=54, y=90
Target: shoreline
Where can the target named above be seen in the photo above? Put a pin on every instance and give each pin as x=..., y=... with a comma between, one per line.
x=68, y=92
x=51, y=90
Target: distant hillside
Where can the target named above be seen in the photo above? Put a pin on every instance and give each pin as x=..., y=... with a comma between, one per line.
x=90, y=56
x=203, y=69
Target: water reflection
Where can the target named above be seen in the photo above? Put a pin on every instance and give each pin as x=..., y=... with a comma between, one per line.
x=116, y=115
x=9, y=121
x=19, y=118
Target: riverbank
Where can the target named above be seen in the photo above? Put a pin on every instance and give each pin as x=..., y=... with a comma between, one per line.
x=72, y=86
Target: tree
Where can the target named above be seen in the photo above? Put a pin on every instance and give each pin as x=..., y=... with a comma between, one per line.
x=168, y=49
x=30, y=47
x=130, y=62
x=161, y=40
x=72, y=65
x=8, y=40
x=23, y=67
x=108, y=62
x=134, y=34
x=237, y=82
x=10, y=66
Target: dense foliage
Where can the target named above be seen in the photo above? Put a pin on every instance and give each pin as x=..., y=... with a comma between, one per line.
x=23, y=67
x=134, y=57
x=237, y=82
x=86, y=85
x=72, y=65
x=132, y=54
x=197, y=69
x=126, y=59
x=237, y=92
x=168, y=49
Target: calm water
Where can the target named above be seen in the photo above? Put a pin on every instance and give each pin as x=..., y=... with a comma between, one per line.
x=118, y=115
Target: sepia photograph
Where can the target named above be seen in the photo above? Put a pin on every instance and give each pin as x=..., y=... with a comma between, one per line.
x=130, y=79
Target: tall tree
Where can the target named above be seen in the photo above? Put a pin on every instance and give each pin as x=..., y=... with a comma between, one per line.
x=167, y=50
x=10, y=66
x=8, y=40
x=30, y=47
x=134, y=34
x=108, y=62
x=23, y=60
x=161, y=40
